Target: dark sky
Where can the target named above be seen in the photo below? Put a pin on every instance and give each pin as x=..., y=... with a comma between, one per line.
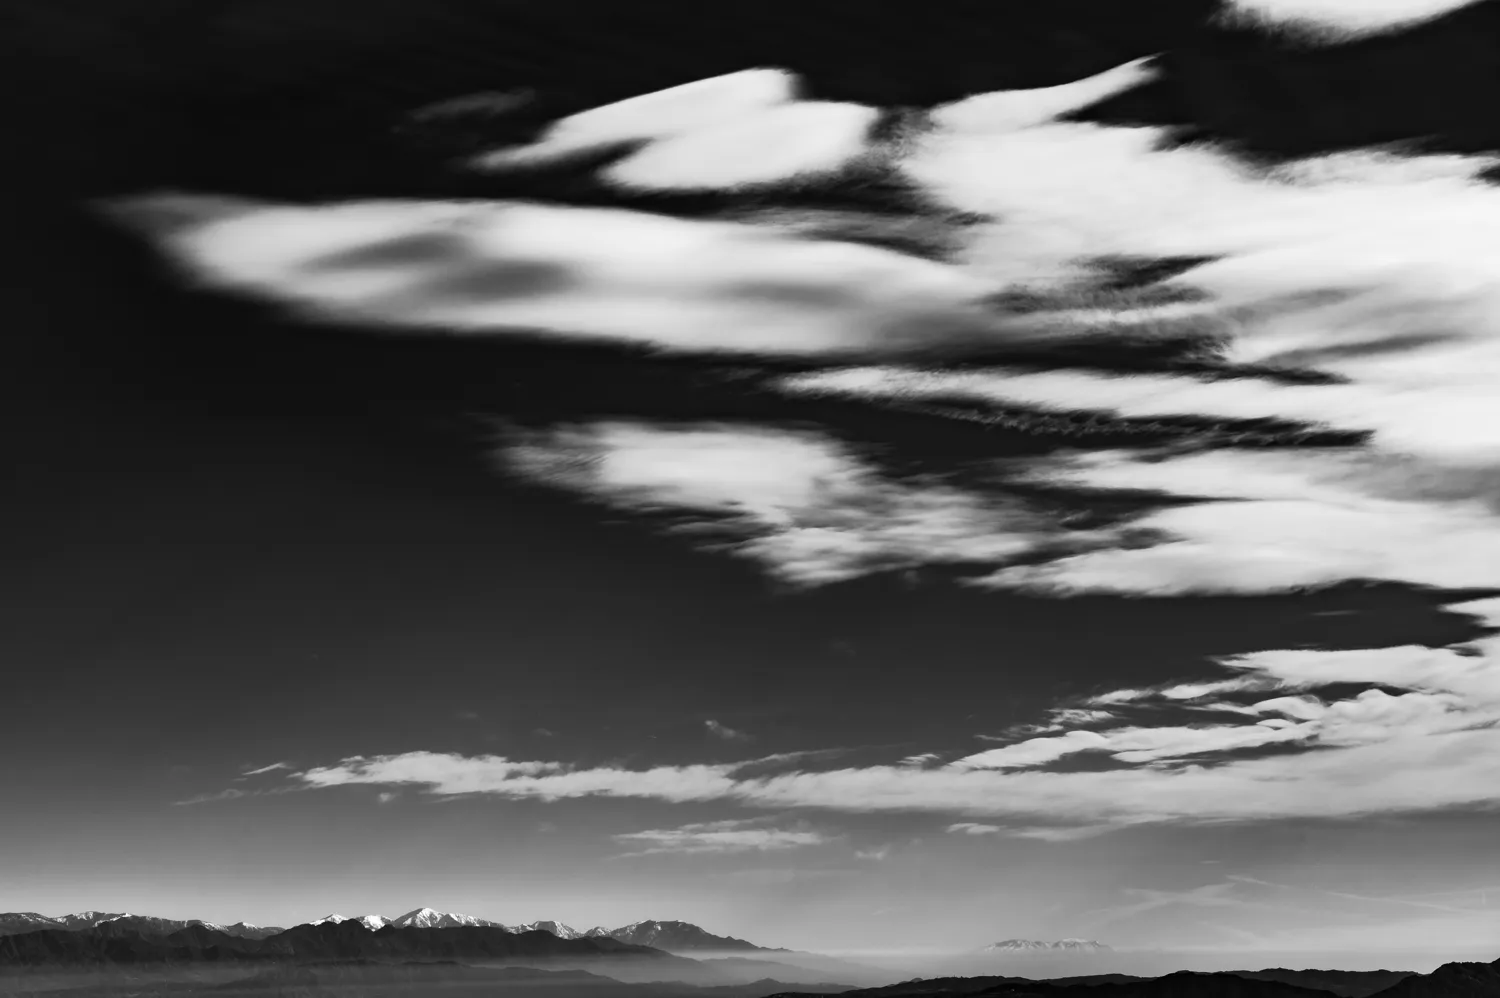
x=241, y=538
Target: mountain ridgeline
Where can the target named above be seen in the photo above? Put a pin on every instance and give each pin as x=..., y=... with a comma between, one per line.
x=1451, y=980
x=426, y=948
x=670, y=936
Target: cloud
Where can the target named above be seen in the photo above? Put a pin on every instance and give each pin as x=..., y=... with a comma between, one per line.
x=720, y=837
x=1425, y=736
x=1273, y=520
x=874, y=854
x=1004, y=111
x=603, y=274
x=974, y=828
x=777, y=144
x=1338, y=20
x=796, y=501
x=1379, y=768
x=386, y=796
x=1373, y=268
x=234, y=793
x=680, y=110
x=725, y=732
x=273, y=767
x=451, y=774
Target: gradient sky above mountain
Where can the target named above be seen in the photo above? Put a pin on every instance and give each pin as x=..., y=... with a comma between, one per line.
x=302, y=629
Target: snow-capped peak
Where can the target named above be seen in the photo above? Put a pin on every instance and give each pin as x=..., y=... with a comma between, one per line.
x=427, y=918
x=372, y=922
x=558, y=929
x=1039, y=946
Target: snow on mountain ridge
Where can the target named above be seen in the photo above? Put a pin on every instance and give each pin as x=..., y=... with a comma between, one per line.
x=558, y=929
x=427, y=918
x=1040, y=946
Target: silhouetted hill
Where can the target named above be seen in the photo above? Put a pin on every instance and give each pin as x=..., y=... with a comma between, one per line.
x=1451, y=980
x=1346, y=983
x=1185, y=984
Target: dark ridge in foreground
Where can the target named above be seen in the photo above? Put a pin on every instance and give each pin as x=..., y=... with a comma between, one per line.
x=1451, y=980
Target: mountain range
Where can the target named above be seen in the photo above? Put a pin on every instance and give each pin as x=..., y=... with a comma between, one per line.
x=671, y=936
x=424, y=941
x=16, y=922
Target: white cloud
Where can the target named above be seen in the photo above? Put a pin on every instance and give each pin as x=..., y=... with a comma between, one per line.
x=1454, y=421
x=451, y=774
x=661, y=114
x=1385, y=769
x=720, y=837
x=512, y=268
x=774, y=145
x=798, y=502
x=273, y=767
x=1338, y=20
x=974, y=828
x=725, y=732
x=1272, y=520
x=1005, y=111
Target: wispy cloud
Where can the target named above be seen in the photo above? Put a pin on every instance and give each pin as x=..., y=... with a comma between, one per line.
x=796, y=501
x=1433, y=744
x=235, y=793
x=273, y=767
x=720, y=837
x=725, y=732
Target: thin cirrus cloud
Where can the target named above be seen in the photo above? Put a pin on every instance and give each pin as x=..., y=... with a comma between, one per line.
x=725, y=732
x=719, y=838
x=273, y=767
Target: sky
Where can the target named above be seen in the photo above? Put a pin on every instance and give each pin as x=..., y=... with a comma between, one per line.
x=725, y=483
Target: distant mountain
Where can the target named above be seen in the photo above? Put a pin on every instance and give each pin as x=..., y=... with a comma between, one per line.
x=350, y=939
x=558, y=929
x=12, y=922
x=426, y=918
x=1345, y=983
x=245, y=930
x=88, y=919
x=678, y=937
x=372, y=922
x=1451, y=980
x=1037, y=946
x=1184, y=984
